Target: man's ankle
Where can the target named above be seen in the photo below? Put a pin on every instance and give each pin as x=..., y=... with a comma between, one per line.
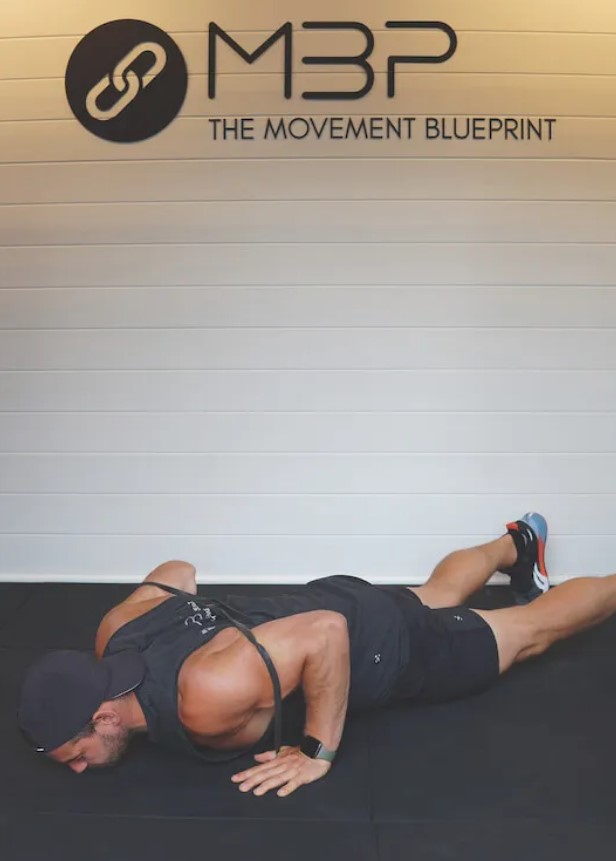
x=509, y=552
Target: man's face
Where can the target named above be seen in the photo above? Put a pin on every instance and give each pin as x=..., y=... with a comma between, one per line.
x=105, y=746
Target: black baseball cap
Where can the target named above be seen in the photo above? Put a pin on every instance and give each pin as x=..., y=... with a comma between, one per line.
x=64, y=689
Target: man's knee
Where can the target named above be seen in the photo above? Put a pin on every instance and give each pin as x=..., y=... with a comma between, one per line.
x=517, y=635
x=534, y=638
x=438, y=596
x=533, y=649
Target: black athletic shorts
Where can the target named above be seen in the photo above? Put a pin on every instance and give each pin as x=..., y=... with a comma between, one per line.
x=453, y=652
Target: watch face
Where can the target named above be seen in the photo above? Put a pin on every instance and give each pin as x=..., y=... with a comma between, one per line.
x=310, y=746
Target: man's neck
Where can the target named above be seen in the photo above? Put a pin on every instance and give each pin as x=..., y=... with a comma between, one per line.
x=133, y=716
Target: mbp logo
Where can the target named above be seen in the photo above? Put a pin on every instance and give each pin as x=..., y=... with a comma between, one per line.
x=126, y=81
x=357, y=61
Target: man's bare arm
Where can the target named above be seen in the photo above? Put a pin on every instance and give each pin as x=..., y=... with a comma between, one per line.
x=175, y=573
x=325, y=682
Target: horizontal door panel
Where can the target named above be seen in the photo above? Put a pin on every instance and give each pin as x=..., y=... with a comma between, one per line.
x=307, y=221
x=304, y=264
x=317, y=307
x=301, y=473
x=373, y=391
x=352, y=515
x=304, y=179
x=306, y=349
x=184, y=432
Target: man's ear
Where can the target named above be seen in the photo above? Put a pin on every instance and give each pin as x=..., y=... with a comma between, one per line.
x=106, y=715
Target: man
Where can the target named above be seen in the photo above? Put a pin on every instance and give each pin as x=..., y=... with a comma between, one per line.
x=185, y=671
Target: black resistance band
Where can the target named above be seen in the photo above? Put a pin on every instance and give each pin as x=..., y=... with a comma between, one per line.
x=223, y=610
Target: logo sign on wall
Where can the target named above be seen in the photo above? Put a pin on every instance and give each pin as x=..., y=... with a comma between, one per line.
x=126, y=81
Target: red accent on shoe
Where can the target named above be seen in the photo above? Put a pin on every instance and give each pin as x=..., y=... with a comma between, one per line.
x=541, y=557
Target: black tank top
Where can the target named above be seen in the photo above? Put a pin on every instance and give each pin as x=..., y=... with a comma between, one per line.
x=169, y=633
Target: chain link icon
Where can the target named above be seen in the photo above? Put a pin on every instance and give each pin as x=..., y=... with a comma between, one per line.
x=126, y=82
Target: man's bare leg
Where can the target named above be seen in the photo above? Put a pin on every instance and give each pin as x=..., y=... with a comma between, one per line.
x=522, y=632
x=464, y=572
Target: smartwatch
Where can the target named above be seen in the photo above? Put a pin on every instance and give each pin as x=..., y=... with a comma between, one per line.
x=314, y=749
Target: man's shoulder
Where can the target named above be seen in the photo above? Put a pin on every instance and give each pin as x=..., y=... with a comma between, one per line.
x=120, y=616
x=219, y=692
x=144, y=598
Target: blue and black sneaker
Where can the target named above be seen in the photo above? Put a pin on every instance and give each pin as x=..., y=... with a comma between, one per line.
x=529, y=576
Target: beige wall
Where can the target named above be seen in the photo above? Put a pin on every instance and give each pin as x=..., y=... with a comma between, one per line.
x=286, y=359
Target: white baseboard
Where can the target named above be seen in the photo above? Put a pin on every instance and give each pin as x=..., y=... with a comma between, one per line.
x=496, y=580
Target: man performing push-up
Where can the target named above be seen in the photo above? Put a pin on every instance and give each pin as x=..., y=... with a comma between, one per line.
x=207, y=677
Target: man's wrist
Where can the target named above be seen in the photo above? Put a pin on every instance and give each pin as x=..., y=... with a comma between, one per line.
x=315, y=749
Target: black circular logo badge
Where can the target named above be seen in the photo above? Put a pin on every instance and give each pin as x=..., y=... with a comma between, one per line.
x=126, y=81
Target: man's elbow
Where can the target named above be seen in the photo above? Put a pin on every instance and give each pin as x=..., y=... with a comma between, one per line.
x=332, y=626
x=175, y=573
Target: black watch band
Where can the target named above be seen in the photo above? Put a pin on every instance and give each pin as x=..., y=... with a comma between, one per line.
x=315, y=749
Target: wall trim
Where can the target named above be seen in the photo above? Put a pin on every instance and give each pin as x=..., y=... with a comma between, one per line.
x=497, y=580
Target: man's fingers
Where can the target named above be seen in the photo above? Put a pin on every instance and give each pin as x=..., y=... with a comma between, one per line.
x=252, y=772
x=263, y=774
x=285, y=750
x=290, y=787
x=243, y=775
x=272, y=783
x=266, y=756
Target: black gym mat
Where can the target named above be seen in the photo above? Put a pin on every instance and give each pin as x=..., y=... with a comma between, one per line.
x=522, y=770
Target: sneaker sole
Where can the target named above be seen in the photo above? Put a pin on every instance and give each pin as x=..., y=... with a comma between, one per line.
x=539, y=526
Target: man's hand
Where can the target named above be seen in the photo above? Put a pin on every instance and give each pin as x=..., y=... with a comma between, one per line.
x=289, y=770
